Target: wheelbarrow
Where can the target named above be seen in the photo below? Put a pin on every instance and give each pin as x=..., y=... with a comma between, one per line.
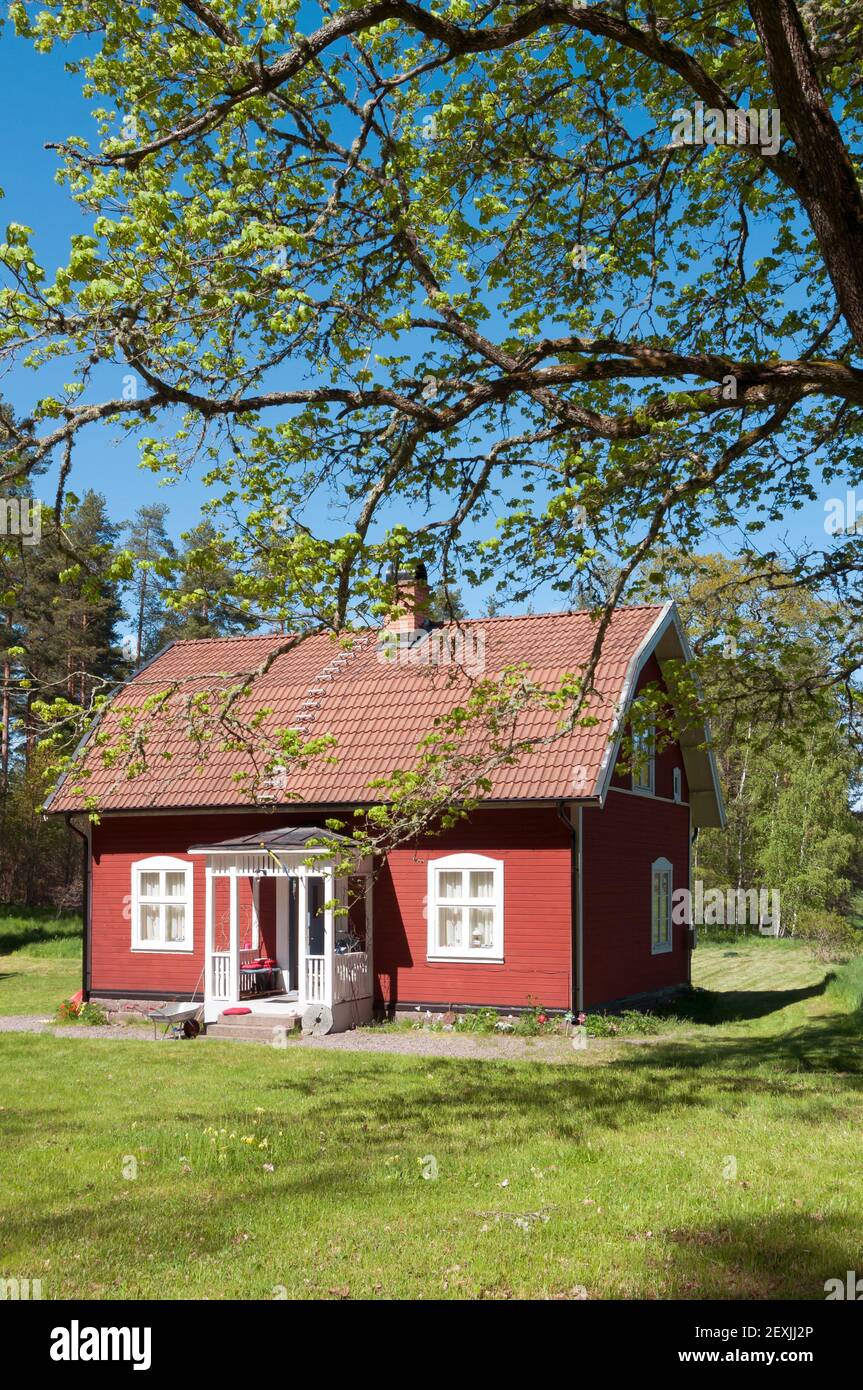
x=180, y=1020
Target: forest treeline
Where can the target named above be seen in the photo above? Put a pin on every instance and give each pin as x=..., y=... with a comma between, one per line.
x=79, y=612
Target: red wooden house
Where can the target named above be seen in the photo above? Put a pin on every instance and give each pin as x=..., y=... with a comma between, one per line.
x=556, y=890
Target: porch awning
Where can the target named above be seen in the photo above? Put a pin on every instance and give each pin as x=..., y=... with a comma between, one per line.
x=293, y=837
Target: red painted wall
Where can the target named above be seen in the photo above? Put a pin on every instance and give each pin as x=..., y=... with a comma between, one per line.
x=620, y=844
x=667, y=758
x=537, y=931
x=117, y=844
x=535, y=849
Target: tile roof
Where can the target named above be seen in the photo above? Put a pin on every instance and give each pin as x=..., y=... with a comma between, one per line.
x=377, y=709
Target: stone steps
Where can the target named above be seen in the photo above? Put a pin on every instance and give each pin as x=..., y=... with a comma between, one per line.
x=260, y=1028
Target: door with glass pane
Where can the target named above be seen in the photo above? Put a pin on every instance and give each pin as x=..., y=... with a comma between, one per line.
x=315, y=942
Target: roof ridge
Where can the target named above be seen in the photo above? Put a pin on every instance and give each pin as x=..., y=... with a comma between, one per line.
x=364, y=631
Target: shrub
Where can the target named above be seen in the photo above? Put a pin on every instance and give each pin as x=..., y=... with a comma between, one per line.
x=479, y=1021
x=90, y=1013
x=629, y=1023
x=830, y=936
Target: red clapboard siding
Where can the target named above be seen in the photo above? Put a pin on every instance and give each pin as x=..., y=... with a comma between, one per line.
x=535, y=849
x=117, y=845
x=620, y=844
x=667, y=758
x=533, y=844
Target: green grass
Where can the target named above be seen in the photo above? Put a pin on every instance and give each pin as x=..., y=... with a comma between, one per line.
x=719, y=1161
x=40, y=960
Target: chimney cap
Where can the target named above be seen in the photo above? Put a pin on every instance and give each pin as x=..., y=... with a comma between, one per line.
x=415, y=574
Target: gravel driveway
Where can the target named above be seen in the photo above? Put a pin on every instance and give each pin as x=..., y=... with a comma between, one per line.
x=414, y=1044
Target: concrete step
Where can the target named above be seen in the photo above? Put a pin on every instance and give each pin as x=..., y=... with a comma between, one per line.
x=253, y=1027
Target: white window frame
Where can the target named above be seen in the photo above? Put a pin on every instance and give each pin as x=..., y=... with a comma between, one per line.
x=649, y=736
x=469, y=955
x=162, y=864
x=661, y=944
x=677, y=784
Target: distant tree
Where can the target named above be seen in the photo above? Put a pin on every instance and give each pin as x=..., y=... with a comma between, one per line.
x=152, y=549
x=785, y=746
x=204, y=602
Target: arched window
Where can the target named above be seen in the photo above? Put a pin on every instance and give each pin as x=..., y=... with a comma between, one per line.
x=465, y=908
x=660, y=906
x=162, y=904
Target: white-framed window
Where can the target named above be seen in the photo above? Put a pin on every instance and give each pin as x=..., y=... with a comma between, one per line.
x=465, y=908
x=643, y=748
x=162, y=904
x=677, y=783
x=660, y=906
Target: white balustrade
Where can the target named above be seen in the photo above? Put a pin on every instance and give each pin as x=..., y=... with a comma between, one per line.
x=315, y=979
x=221, y=976
x=350, y=976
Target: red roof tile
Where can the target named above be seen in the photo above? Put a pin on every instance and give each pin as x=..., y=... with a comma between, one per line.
x=378, y=709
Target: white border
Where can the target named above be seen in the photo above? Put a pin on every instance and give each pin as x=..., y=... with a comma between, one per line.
x=434, y=952
x=163, y=863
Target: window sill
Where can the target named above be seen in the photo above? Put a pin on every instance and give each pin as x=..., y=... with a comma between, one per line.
x=160, y=948
x=475, y=959
x=661, y=950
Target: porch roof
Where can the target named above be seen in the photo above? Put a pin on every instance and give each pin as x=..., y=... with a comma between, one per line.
x=291, y=837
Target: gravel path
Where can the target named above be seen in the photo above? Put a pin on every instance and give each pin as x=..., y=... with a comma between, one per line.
x=35, y=1023
x=418, y=1044
x=461, y=1045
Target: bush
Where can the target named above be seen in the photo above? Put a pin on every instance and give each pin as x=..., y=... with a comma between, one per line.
x=70, y=1012
x=629, y=1023
x=480, y=1021
x=830, y=936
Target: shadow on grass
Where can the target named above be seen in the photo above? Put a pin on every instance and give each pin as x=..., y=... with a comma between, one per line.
x=833, y=1043
x=715, y=1007
x=786, y=1255
x=21, y=927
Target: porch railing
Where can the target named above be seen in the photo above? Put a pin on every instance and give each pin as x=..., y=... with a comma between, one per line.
x=220, y=965
x=351, y=976
x=315, y=979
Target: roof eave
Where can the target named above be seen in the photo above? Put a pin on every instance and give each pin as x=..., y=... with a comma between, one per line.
x=702, y=775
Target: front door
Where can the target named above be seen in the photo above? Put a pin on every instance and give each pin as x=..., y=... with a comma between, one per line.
x=287, y=931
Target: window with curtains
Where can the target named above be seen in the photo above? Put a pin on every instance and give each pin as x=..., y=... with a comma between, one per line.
x=660, y=913
x=162, y=905
x=465, y=908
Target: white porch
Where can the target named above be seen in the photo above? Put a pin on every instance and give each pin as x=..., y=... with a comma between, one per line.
x=315, y=950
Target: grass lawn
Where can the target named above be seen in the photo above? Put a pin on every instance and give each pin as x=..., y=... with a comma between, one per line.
x=40, y=960
x=721, y=1161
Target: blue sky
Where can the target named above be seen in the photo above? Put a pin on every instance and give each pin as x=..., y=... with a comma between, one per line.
x=44, y=103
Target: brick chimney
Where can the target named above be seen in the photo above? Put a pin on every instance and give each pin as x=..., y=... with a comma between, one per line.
x=411, y=613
